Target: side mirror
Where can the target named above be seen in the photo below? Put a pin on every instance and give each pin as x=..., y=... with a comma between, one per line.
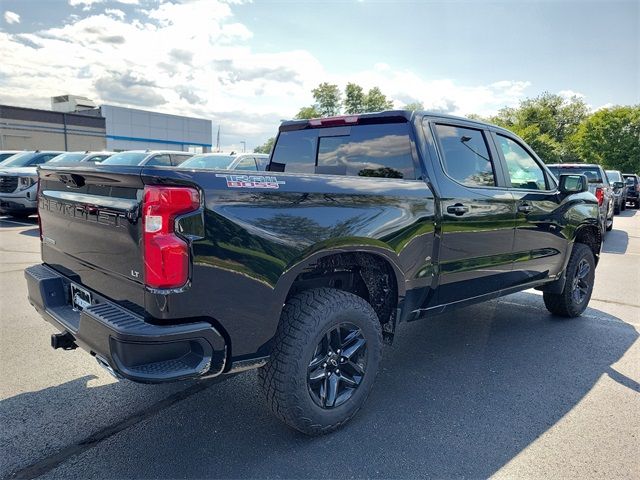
x=618, y=185
x=573, y=184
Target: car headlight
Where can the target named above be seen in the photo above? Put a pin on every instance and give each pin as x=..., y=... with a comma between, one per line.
x=25, y=182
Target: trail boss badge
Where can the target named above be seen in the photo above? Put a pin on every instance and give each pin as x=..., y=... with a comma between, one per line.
x=251, y=181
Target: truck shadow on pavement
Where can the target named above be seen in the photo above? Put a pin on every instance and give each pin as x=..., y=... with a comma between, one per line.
x=459, y=395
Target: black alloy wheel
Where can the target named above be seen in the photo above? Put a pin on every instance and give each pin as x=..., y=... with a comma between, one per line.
x=338, y=366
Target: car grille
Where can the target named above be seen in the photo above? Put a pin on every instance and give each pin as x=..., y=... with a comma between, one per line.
x=8, y=184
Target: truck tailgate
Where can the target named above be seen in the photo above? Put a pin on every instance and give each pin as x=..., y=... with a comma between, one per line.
x=91, y=228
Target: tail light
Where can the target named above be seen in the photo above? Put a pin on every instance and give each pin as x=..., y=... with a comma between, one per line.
x=166, y=256
x=600, y=195
x=333, y=121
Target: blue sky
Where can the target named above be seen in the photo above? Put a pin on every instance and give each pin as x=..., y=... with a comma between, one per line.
x=248, y=65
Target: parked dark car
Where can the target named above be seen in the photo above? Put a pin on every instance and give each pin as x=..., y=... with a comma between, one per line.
x=619, y=190
x=633, y=188
x=18, y=182
x=360, y=224
x=598, y=185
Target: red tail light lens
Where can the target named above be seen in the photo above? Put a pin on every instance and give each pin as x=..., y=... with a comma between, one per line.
x=166, y=256
x=333, y=121
x=600, y=195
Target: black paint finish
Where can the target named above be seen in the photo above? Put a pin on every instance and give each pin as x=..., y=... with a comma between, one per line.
x=250, y=241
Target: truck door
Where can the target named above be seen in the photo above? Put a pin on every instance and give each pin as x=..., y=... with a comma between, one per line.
x=477, y=213
x=540, y=246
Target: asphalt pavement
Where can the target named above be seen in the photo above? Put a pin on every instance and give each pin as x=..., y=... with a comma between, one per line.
x=499, y=389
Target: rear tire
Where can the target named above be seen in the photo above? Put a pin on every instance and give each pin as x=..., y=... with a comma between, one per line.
x=309, y=382
x=580, y=275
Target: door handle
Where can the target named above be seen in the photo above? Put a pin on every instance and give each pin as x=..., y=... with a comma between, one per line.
x=525, y=208
x=457, y=209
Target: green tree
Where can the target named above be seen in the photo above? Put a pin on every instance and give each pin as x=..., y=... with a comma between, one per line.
x=265, y=147
x=413, y=106
x=376, y=101
x=611, y=137
x=327, y=99
x=308, y=112
x=354, y=98
x=548, y=123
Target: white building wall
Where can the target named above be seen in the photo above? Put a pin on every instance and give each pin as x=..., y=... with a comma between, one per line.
x=133, y=129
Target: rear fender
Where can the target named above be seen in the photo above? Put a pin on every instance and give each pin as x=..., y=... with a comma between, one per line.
x=297, y=267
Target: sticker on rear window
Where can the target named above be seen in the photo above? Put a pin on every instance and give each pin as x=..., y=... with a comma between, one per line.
x=251, y=181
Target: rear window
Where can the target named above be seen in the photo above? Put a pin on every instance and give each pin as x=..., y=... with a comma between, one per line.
x=126, y=158
x=614, y=176
x=592, y=173
x=379, y=150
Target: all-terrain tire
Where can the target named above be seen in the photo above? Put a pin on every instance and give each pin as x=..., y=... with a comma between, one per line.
x=306, y=318
x=566, y=304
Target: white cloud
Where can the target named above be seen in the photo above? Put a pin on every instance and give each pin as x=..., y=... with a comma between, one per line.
x=569, y=94
x=115, y=12
x=196, y=58
x=11, y=17
x=87, y=4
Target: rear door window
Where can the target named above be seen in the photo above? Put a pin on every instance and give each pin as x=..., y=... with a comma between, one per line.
x=246, y=163
x=160, y=161
x=466, y=156
x=178, y=159
x=377, y=150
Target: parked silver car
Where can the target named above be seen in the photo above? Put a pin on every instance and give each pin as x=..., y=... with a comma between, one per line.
x=619, y=190
x=157, y=158
x=253, y=162
x=19, y=182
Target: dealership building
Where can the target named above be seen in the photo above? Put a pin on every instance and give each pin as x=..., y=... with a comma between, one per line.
x=75, y=123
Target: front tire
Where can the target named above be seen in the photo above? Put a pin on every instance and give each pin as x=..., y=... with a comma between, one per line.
x=327, y=350
x=580, y=276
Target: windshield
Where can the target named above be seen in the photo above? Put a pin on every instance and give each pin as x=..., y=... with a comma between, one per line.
x=630, y=181
x=614, y=176
x=4, y=156
x=126, y=158
x=19, y=160
x=68, y=157
x=592, y=173
x=213, y=161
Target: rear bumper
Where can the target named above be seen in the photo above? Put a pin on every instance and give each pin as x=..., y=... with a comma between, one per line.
x=121, y=340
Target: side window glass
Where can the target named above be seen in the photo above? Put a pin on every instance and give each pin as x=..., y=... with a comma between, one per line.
x=295, y=152
x=524, y=171
x=160, y=160
x=99, y=158
x=178, y=159
x=466, y=156
x=368, y=151
x=246, y=163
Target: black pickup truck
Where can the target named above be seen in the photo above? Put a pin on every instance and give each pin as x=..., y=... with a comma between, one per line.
x=360, y=223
